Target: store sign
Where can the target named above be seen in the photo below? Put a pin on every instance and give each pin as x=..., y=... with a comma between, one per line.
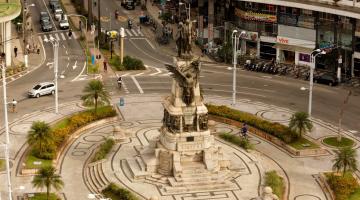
x=253, y=36
x=255, y=16
x=295, y=42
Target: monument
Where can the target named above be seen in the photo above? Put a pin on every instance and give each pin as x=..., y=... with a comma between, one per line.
x=184, y=157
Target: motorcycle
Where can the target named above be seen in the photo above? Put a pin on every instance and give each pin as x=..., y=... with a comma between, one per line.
x=130, y=24
x=119, y=82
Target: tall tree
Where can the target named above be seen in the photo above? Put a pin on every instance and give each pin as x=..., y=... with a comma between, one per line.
x=300, y=123
x=95, y=91
x=47, y=178
x=40, y=136
x=345, y=160
x=341, y=113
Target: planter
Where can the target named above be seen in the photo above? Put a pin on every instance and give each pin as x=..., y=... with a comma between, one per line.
x=273, y=139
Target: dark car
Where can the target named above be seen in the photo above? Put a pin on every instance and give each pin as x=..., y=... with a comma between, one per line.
x=128, y=4
x=327, y=79
x=44, y=16
x=53, y=2
x=55, y=7
x=46, y=25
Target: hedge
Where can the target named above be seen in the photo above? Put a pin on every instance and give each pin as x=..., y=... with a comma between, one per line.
x=131, y=63
x=278, y=130
x=104, y=149
x=276, y=182
x=114, y=192
x=244, y=143
x=342, y=186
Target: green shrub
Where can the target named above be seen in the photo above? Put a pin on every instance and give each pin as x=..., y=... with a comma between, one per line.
x=273, y=128
x=276, y=182
x=116, y=62
x=133, y=63
x=42, y=196
x=237, y=140
x=342, y=186
x=114, y=192
x=104, y=149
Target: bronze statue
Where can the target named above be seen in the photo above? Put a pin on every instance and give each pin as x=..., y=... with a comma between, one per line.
x=183, y=38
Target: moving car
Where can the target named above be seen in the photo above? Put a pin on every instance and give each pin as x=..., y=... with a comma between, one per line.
x=46, y=25
x=41, y=89
x=328, y=79
x=128, y=4
x=44, y=16
x=64, y=23
x=58, y=14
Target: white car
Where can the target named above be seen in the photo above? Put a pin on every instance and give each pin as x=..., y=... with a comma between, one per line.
x=41, y=89
x=64, y=24
x=58, y=14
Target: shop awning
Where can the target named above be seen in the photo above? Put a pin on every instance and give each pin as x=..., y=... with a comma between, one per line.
x=293, y=48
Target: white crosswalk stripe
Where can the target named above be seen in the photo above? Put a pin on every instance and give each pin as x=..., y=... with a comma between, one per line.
x=57, y=37
x=74, y=35
x=45, y=38
x=140, y=33
x=62, y=36
x=134, y=32
x=128, y=32
x=50, y=36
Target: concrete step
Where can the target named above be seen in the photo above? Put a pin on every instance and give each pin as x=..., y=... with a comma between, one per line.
x=140, y=163
x=135, y=169
x=195, y=182
x=93, y=180
x=89, y=181
x=198, y=187
x=222, y=175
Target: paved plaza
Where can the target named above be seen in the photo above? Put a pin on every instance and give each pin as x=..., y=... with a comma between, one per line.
x=141, y=119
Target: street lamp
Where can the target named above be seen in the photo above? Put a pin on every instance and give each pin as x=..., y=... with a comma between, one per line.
x=97, y=196
x=86, y=53
x=55, y=44
x=314, y=54
x=235, y=53
x=25, y=10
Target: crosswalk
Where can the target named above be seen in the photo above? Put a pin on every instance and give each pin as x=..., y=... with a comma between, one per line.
x=151, y=71
x=59, y=36
x=133, y=33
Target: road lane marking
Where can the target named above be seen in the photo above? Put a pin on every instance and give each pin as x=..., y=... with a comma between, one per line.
x=57, y=37
x=158, y=72
x=134, y=32
x=45, y=39
x=62, y=36
x=140, y=49
x=40, y=38
x=137, y=84
x=74, y=35
x=140, y=33
x=139, y=74
x=148, y=41
x=50, y=36
x=83, y=69
x=128, y=32
x=124, y=74
x=74, y=66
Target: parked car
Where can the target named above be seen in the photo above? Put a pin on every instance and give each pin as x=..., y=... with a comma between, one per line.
x=328, y=79
x=44, y=16
x=56, y=7
x=46, y=25
x=52, y=3
x=41, y=89
x=64, y=24
x=58, y=14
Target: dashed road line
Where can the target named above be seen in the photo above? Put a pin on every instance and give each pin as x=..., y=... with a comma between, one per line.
x=158, y=72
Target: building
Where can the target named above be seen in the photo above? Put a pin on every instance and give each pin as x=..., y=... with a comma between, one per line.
x=9, y=10
x=289, y=30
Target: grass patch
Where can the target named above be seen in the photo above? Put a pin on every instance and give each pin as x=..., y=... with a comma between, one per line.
x=104, y=149
x=345, y=142
x=236, y=140
x=2, y=165
x=93, y=69
x=61, y=124
x=303, y=143
x=276, y=182
x=114, y=192
x=30, y=159
x=42, y=196
x=355, y=195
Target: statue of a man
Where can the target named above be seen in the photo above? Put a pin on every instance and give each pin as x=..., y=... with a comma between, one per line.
x=180, y=35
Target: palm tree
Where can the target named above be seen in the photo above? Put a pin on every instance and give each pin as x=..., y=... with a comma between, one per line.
x=300, y=123
x=47, y=178
x=95, y=91
x=345, y=160
x=40, y=136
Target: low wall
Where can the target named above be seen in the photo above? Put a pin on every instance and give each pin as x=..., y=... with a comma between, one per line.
x=272, y=139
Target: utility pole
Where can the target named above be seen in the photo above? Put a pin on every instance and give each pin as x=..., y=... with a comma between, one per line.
x=90, y=11
x=122, y=35
x=99, y=21
x=341, y=113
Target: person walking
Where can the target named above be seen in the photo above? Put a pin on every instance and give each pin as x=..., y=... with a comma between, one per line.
x=244, y=130
x=15, y=51
x=105, y=65
x=13, y=103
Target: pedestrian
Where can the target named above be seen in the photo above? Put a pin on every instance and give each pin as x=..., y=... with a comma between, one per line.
x=80, y=25
x=15, y=51
x=105, y=65
x=244, y=130
x=14, y=105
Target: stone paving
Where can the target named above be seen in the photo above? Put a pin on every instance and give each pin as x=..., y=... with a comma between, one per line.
x=82, y=177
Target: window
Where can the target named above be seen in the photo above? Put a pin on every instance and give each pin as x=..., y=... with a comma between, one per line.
x=190, y=139
x=282, y=9
x=307, y=12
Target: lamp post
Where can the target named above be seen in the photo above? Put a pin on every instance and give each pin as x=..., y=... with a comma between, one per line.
x=55, y=44
x=86, y=26
x=235, y=53
x=314, y=54
x=122, y=35
x=25, y=11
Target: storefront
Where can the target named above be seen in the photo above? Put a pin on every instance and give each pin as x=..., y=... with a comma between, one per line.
x=250, y=43
x=267, y=49
x=293, y=51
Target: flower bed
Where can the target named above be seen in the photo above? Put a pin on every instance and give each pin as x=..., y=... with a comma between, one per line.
x=236, y=140
x=42, y=196
x=343, y=187
x=276, y=182
x=63, y=129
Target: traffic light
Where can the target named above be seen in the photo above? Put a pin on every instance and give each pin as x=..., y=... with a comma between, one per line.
x=70, y=33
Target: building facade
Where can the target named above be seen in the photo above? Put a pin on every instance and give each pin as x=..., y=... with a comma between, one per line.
x=289, y=31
